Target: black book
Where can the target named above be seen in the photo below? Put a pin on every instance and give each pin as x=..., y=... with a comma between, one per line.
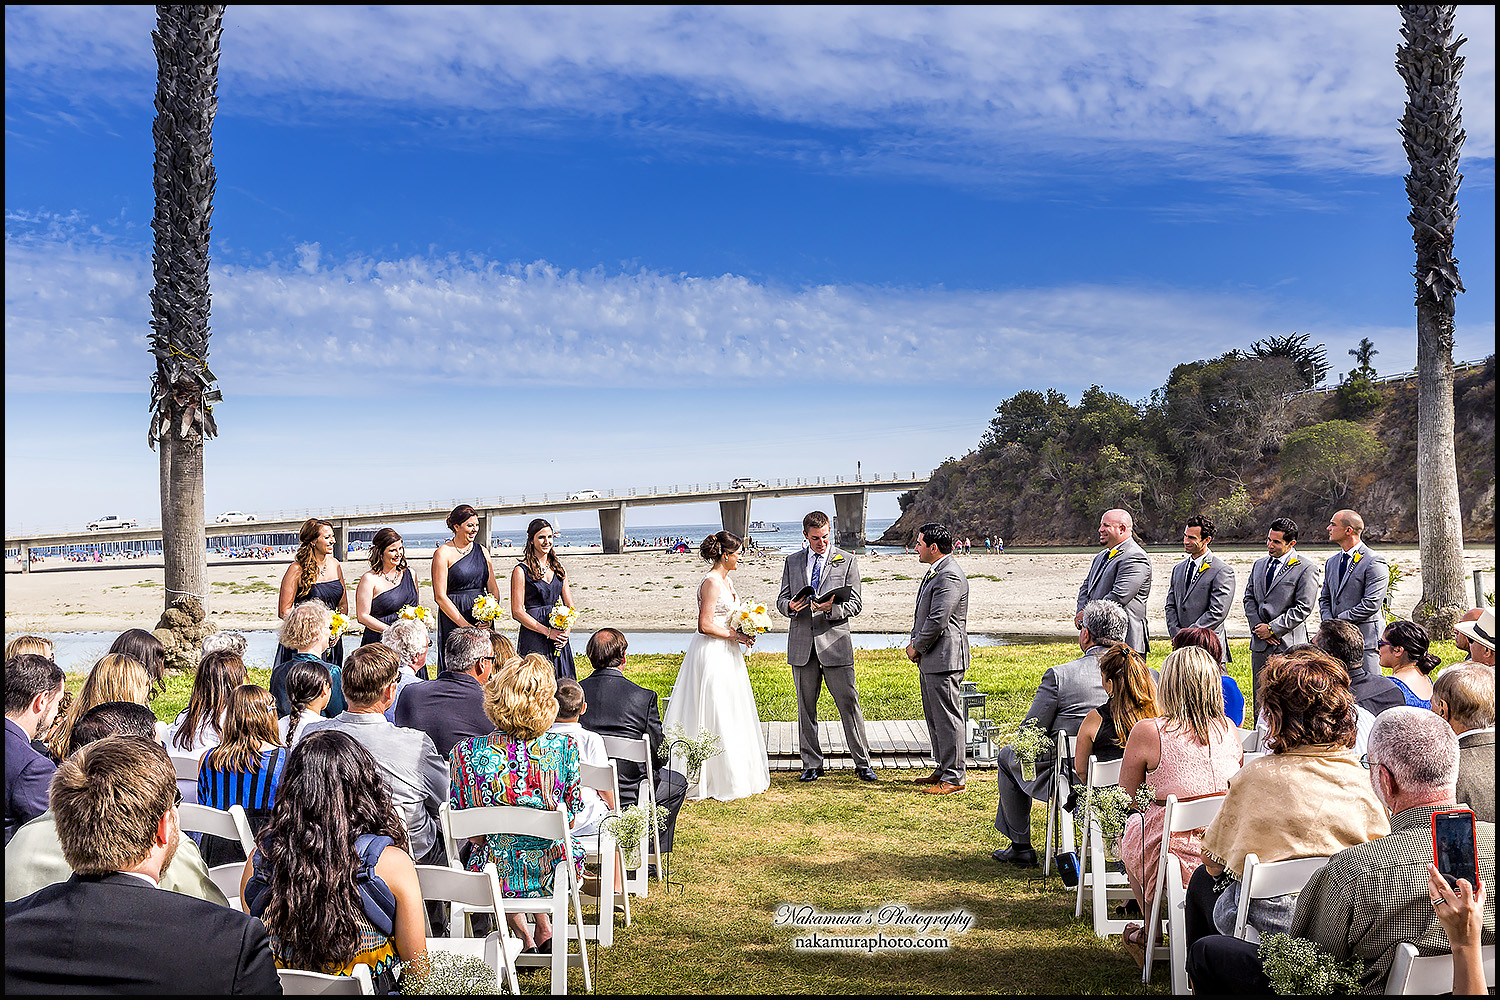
x=839, y=594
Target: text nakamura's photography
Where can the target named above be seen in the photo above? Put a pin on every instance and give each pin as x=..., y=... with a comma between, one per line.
x=733, y=500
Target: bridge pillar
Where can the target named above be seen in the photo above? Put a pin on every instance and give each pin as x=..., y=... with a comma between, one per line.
x=486, y=535
x=341, y=540
x=849, y=509
x=25, y=558
x=735, y=516
x=612, y=529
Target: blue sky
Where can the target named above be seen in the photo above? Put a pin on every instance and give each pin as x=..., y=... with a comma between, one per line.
x=464, y=252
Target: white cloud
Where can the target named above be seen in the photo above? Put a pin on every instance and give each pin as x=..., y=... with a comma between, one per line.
x=473, y=321
x=1213, y=89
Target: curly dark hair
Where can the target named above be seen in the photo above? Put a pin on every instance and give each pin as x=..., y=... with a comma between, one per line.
x=330, y=793
x=1307, y=701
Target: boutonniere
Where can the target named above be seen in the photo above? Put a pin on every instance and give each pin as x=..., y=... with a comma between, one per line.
x=1112, y=553
x=837, y=559
x=1291, y=562
x=1357, y=557
x=1204, y=567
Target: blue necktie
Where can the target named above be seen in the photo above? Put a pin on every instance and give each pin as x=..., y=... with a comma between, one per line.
x=816, y=576
x=1271, y=571
x=1343, y=568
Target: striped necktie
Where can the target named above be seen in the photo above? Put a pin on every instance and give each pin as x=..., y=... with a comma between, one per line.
x=817, y=561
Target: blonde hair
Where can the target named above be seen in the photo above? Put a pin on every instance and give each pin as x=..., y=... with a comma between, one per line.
x=108, y=800
x=1192, y=694
x=304, y=623
x=116, y=677
x=522, y=700
x=502, y=647
x=28, y=644
x=249, y=721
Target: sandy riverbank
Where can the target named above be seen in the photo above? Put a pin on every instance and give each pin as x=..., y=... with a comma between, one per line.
x=1021, y=593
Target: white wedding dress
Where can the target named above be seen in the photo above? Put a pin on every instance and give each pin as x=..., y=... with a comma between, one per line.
x=712, y=692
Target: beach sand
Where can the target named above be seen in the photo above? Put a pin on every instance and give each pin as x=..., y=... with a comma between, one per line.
x=1025, y=593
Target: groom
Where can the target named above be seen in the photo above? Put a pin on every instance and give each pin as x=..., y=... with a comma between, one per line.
x=818, y=646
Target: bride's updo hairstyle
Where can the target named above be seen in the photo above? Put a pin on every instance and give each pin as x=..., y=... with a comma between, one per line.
x=719, y=545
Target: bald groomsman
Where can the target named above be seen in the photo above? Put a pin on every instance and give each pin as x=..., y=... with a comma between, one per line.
x=1121, y=573
x=1354, y=584
x=1201, y=590
x=1279, y=597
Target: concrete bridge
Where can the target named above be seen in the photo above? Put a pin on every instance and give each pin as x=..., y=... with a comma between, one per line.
x=850, y=494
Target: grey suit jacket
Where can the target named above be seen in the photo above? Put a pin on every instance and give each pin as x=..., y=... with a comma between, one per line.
x=1287, y=605
x=1359, y=597
x=1203, y=604
x=1068, y=693
x=939, y=632
x=1476, y=774
x=1125, y=579
x=828, y=634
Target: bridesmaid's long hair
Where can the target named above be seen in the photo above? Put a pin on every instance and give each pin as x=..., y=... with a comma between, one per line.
x=716, y=546
x=307, y=563
x=531, y=562
x=384, y=539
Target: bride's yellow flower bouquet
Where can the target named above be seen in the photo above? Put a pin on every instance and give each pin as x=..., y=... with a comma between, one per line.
x=342, y=624
x=417, y=613
x=487, y=609
x=750, y=617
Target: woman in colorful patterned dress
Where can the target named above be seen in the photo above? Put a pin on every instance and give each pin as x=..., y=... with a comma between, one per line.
x=520, y=765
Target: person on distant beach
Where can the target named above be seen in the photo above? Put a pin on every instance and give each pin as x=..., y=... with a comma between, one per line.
x=461, y=572
x=537, y=583
x=313, y=575
x=386, y=588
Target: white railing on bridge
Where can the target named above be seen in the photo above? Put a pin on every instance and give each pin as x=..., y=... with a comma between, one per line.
x=1459, y=367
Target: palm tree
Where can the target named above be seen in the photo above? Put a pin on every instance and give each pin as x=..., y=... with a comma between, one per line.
x=1363, y=353
x=1431, y=131
x=187, y=58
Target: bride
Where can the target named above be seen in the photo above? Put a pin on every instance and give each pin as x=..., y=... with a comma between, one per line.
x=713, y=689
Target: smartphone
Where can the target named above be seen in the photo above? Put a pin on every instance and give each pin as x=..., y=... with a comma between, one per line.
x=1455, y=848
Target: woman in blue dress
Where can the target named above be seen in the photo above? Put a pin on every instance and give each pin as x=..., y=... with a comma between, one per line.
x=314, y=575
x=1403, y=652
x=386, y=588
x=461, y=572
x=536, y=584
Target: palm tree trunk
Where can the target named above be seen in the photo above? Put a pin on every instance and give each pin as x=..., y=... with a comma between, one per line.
x=1432, y=134
x=187, y=55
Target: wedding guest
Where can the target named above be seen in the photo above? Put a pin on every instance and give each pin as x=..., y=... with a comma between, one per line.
x=520, y=764
x=309, y=688
x=234, y=642
x=314, y=575
x=149, y=652
x=1480, y=631
x=1132, y=697
x=1208, y=640
x=450, y=707
x=1464, y=696
x=1403, y=651
x=200, y=726
x=243, y=770
x=409, y=640
x=596, y=804
x=116, y=677
x=33, y=687
x=461, y=574
x=305, y=633
x=386, y=588
x=503, y=648
x=1460, y=637
x=1373, y=691
x=1324, y=802
x=1189, y=752
x=536, y=584
x=30, y=644
x=331, y=876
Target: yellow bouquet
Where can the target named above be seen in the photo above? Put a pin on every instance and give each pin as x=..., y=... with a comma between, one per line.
x=341, y=624
x=417, y=613
x=487, y=609
x=562, y=617
x=750, y=617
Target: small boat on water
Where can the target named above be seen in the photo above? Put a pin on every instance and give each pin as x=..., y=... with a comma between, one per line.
x=763, y=526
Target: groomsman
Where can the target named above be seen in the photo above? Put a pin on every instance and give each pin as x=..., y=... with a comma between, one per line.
x=1201, y=590
x=1278, y=600
x=940, y=648
x=1354, y=584
x=1121, y=573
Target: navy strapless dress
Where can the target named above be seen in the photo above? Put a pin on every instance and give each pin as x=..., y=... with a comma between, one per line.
x=330, y=592
x=541, y=595
x=387, y=607
x=467, y=578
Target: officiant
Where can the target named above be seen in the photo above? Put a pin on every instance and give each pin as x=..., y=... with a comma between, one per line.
x=820, y=592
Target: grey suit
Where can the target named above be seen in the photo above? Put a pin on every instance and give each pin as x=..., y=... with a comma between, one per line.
x=1286, y=606
x=819, y=648
x=1358, y=597
x=1124, y=578
x=1068, y=693
x=1476, y=773
x=1203, y=603
x=940, y=636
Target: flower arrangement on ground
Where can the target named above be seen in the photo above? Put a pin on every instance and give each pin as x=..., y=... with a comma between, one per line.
x=1296, y=966
x=630, y=828
x=1029, y=743
x=694, y=750
x=448, y=973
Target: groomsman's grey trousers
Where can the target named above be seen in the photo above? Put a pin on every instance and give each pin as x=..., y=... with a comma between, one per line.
x=942, y=707
x=809, y=679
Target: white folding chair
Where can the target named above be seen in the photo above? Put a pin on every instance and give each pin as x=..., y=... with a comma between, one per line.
x=231, y=823
x=227, y=878
x=296, y=982
x=1059, y=820
x=1105, y=886
x=1250, y=740
x=1263, y=879
x=461, y=824
x=602, y=850
x=186, y=765
x=474, y=892
x=1412, y=973
x=1180, y=817
x=638, y=751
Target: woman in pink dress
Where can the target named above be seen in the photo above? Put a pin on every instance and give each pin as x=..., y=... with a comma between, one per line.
x=1189, y=752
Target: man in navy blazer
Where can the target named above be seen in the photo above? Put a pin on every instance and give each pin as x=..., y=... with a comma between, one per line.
x=110, y=928
x=33, y=689
x=450, y=707
x=1354, y=584
x=617, y=706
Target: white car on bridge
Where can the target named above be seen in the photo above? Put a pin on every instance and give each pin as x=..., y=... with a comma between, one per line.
x=234, y=517
x=747, y=484
x=585, y=495
x=111, y=521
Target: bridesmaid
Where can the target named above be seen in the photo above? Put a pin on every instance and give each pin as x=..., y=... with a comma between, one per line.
x=313, y=575
x=386, y=588
x=535, y=586
x=461, y=572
